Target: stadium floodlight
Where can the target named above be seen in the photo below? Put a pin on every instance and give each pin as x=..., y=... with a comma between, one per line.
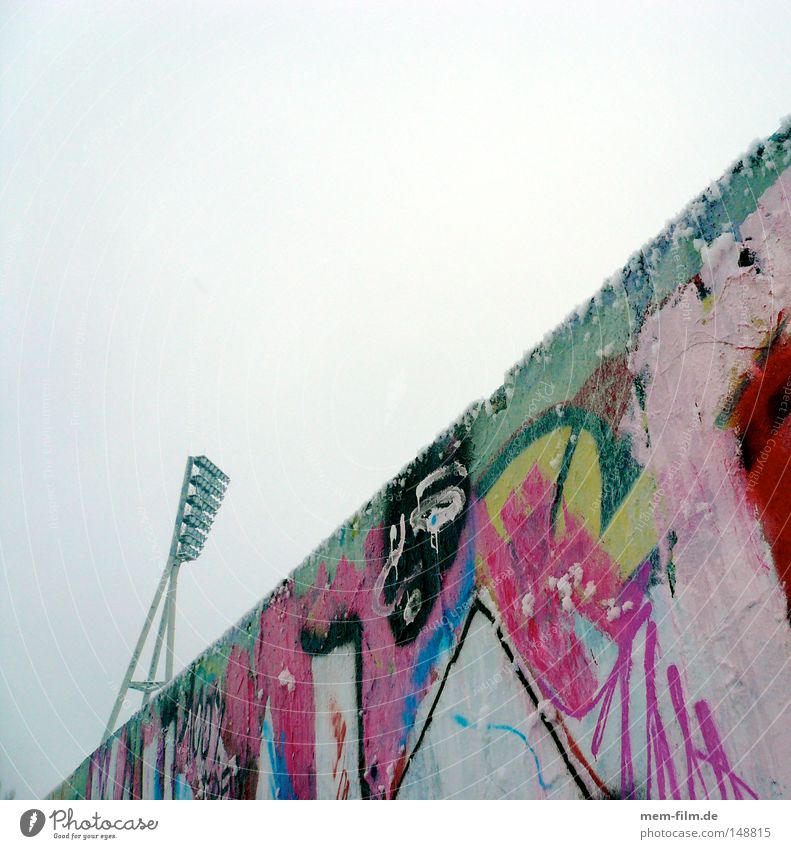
x=202, y=493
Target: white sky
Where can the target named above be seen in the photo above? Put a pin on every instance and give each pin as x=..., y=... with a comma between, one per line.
x=299, y=238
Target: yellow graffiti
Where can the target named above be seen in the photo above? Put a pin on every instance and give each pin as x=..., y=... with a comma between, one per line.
x=545, y=453
x=582, y=489
x=630, y=535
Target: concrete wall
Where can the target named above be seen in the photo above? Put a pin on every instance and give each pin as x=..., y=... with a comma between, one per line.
x=576, y=591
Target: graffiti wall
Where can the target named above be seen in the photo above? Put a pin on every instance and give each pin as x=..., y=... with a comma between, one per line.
x=579, y=590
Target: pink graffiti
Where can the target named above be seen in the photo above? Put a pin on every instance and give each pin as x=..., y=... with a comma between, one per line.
x=532, y=564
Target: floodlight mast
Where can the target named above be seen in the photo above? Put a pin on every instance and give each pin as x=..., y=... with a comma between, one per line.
x=194, y=517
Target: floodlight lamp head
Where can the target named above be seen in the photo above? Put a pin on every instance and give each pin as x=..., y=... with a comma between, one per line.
x=199, y=503
x=208, y=489
x=204, y=495
x=206, y=466
x=199, y=520
x=188, y=552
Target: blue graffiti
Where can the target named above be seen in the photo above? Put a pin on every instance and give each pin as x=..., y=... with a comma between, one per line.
x=491, y=726
x=440, y=641
x=182, y=789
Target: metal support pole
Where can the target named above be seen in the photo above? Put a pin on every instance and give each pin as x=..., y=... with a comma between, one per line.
x=130, y=671
x=174, y=545
x=168, y=614
x=171, y=613
x=163, y=621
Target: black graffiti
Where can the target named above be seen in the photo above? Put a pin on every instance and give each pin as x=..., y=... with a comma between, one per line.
x=413, y=584
x=340, y=633
x=479, y=608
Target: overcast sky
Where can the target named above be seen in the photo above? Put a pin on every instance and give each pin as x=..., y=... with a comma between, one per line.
x=299, y=238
